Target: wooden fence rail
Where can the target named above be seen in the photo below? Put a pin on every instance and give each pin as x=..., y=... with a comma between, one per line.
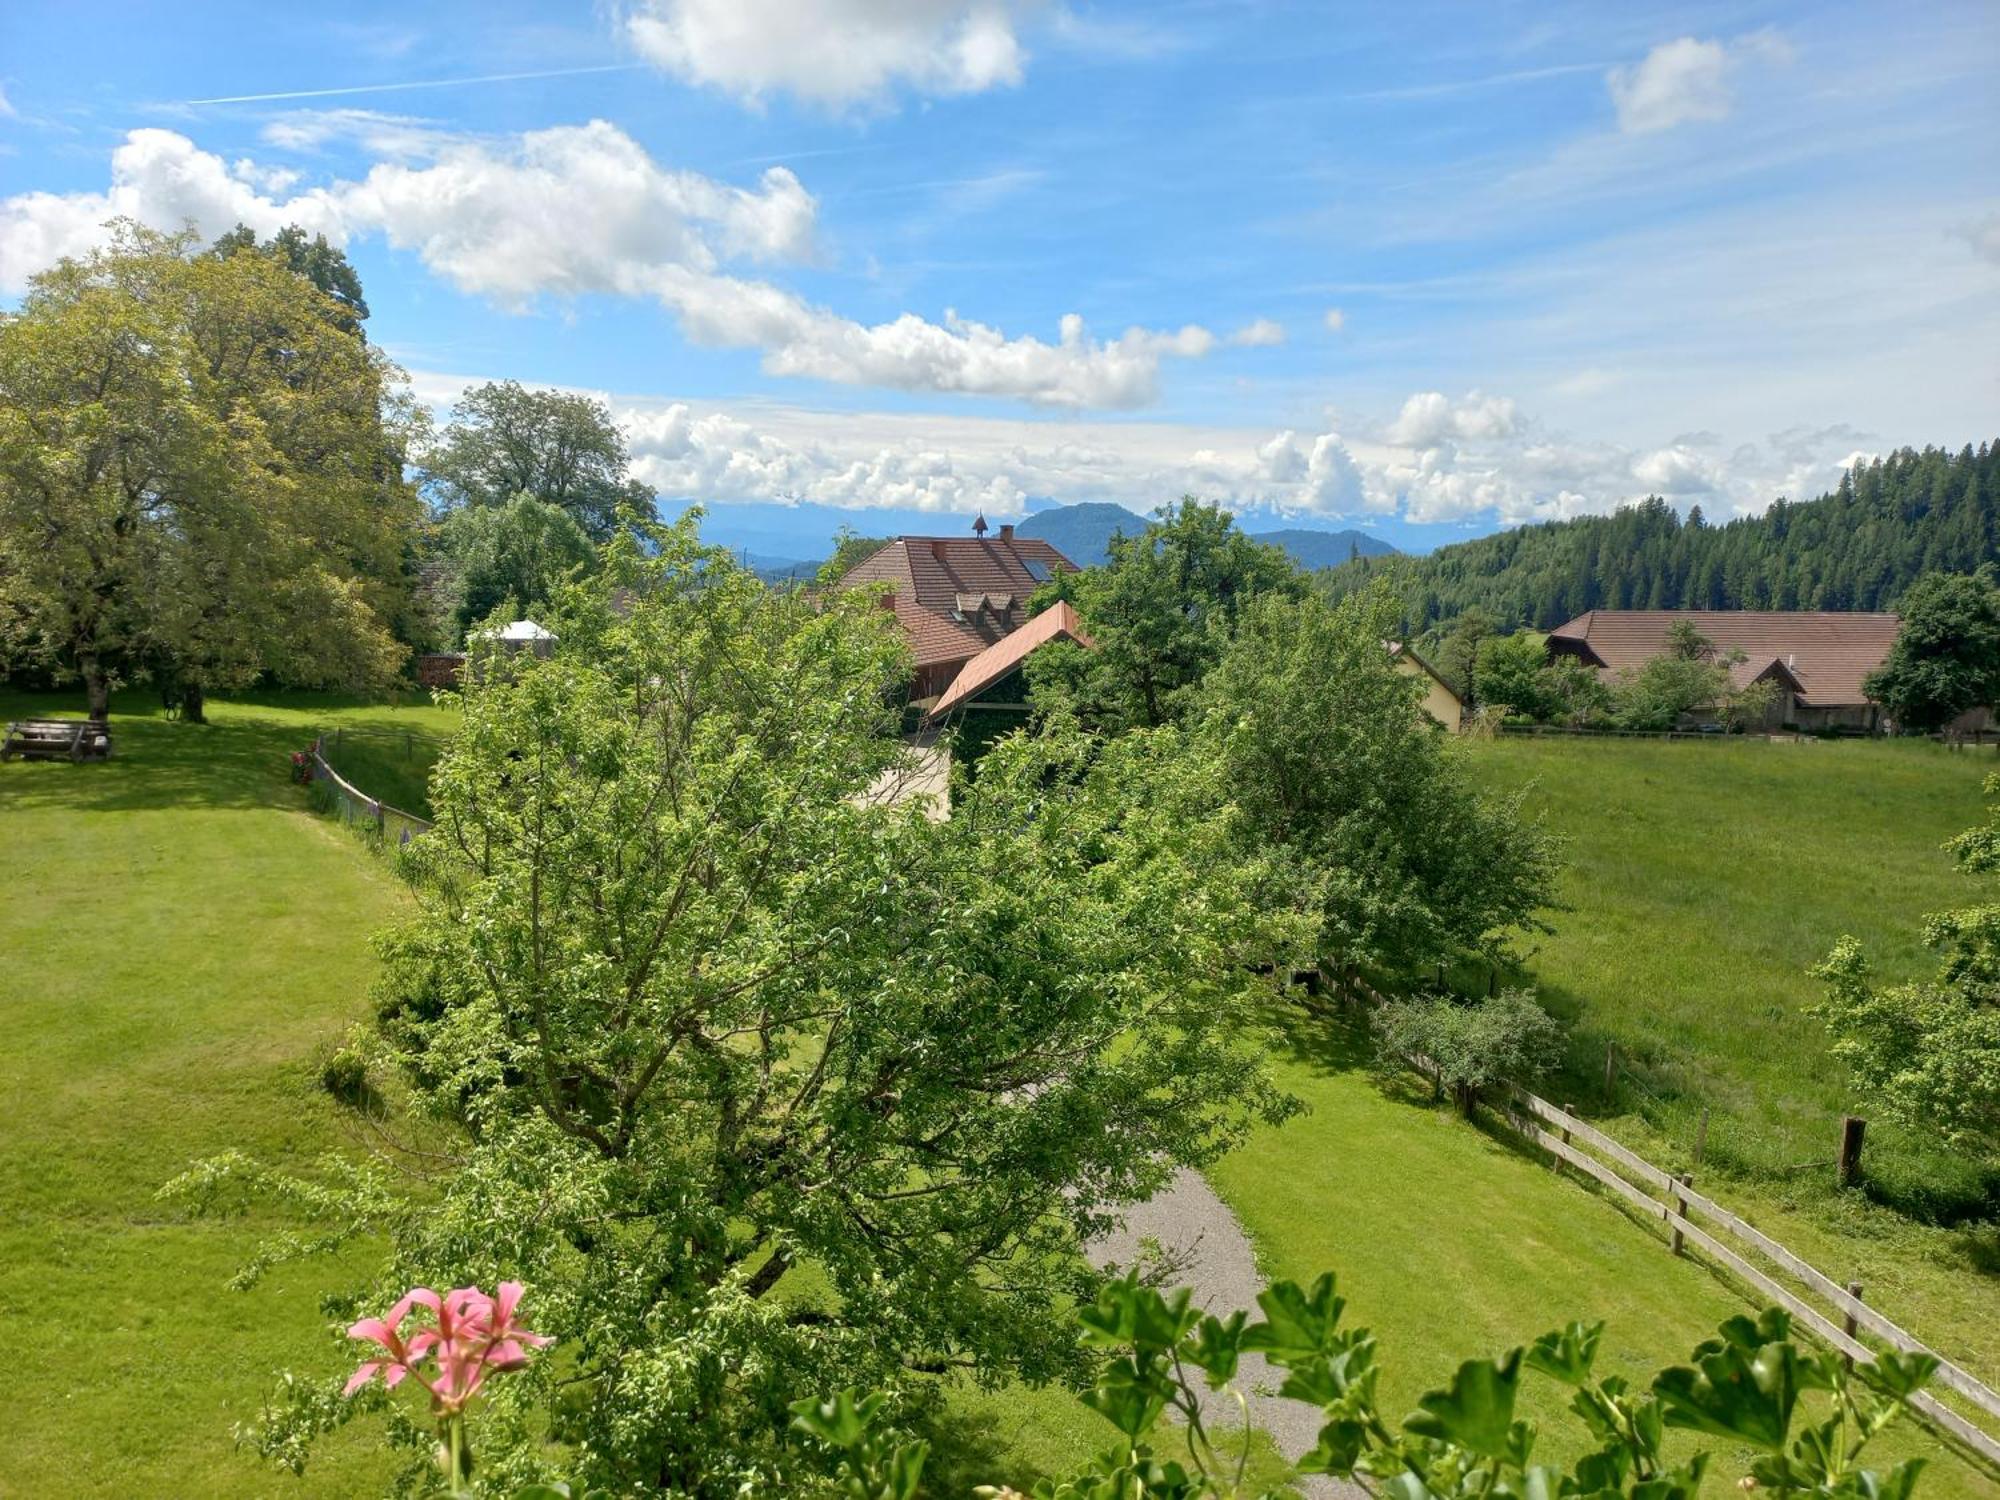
x=374, y=809
x=1678, y=1205
x=1680, y=1223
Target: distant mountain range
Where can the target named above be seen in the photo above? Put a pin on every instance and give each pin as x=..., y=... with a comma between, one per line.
x=1083, y=533
x=782, y=542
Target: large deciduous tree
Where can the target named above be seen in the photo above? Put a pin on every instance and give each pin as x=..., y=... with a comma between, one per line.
x=522, y=551
x=1946, y=658
x=1329, y=760
x=1160, y=611
x=564, y=449
x=759, y=1082
x=200, y=473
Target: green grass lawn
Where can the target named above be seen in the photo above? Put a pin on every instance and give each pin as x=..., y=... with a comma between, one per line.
x=179, y=936
x=1450, y=1242
x=1703, y=881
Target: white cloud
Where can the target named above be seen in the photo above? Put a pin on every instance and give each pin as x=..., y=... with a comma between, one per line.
x=1983, y=235
x=830, y=52
x=951, y=464
x=1336, y=320
x=579, y=210
x=1430, y=418
x=1261, y=333
x=7, y=110
x=1686, y=80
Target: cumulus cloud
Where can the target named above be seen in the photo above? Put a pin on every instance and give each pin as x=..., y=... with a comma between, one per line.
x=1431, y=418
x=1516, y=472
x=833, y=53
x=584, y=209
x=1336, y=320
x=1686, y=80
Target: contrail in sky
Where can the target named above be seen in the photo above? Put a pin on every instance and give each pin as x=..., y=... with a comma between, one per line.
x=425, y=83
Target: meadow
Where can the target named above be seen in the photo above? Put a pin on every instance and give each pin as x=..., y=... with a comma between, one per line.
x=1702, y=882
x=184, y=937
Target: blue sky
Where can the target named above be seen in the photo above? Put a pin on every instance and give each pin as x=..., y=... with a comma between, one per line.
x=1426, y=269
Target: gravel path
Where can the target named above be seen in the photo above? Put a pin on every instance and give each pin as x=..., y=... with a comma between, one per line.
x=1196, y=1227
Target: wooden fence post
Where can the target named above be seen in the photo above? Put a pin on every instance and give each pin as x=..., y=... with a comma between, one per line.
x=1701, y=1136
x=1848, y=1322
x=1852, y=1129
x=1686, y=1179
x=1556, y=1162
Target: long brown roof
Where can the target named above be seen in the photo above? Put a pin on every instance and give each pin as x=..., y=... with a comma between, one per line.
x=1828, y=652
x=1057, y=622
x=956, y=595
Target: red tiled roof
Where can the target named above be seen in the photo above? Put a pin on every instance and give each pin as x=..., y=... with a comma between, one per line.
x=1058, y=622
x=956, y=595
x=1826, y=652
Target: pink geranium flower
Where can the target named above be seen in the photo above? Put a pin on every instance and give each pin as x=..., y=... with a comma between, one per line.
x=399, y=1353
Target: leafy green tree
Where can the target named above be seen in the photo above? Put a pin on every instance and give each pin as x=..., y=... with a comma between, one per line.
x=564, y=449
x=1930, y=1051
x=850, y=548
x=200, y=473
x=763, y=1086
x=1458, y=653
x=1469, y=1046
x=1329, y=760
x=1667, y=689
x=1160, y=611
x=324, y=265
x=1946, y=658
x=523, y=551
x=1513, y=673
x=1685, y=642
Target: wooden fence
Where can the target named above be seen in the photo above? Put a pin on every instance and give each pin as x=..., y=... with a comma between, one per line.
x=356, y=806
x=1672, y=1200
x=1678, y=1206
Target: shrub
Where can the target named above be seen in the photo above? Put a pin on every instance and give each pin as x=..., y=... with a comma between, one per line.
x=344, y=1074
x=1472, y=1046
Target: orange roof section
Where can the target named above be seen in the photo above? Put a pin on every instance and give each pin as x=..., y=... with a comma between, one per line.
x=1058, y=622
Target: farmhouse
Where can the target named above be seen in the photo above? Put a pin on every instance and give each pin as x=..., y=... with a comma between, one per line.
x=992, y=679
x=1439, y=701
x=1817, y=658
x=957, y=595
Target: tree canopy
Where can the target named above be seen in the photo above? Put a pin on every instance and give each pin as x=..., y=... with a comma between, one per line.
x=562, y=448
x=1160, y=611
x=1946, y=658
x=1329, y=760
x=200, y=474
x=489, y=554
x=761, y=1083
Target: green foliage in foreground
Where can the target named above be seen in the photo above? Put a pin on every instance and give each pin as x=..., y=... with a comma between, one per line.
x=1931, y=1050
x=1750, y=1385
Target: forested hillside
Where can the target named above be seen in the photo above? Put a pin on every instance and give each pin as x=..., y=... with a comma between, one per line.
x=1857, y=548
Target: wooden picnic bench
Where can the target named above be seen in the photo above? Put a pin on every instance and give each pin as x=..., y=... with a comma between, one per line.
x=57, y=739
